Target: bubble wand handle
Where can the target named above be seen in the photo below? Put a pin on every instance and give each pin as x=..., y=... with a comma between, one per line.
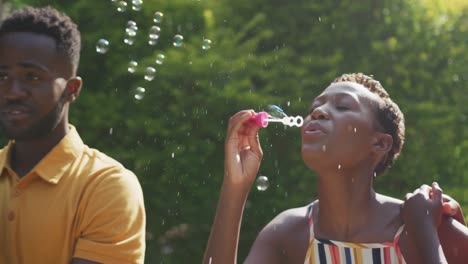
x=290, y=121
x=262, y=119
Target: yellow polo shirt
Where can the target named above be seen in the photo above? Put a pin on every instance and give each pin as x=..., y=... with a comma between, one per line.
x=75, y=203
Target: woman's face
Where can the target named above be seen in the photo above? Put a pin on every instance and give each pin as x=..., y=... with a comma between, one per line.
x=339, y=130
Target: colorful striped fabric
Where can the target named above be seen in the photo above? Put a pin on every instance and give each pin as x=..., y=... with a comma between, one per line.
x=322, y=251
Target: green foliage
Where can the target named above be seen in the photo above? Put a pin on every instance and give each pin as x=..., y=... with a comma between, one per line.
x=264, y=52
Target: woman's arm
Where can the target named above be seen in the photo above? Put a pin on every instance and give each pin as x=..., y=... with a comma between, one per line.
x=453, y=237
x=243, y=155
x=421, y=214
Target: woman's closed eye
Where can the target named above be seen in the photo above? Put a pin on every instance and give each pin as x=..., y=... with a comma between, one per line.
x=342, y=107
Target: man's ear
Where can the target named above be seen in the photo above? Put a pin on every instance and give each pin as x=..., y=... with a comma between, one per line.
x=382, y=143
x=74, y=88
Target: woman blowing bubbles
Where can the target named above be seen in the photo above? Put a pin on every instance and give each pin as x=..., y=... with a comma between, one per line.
x=353, y=133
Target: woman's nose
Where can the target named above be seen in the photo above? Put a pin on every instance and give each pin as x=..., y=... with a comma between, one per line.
x=319, y=113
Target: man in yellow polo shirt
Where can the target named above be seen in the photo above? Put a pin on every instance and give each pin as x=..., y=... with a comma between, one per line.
x=60, y=201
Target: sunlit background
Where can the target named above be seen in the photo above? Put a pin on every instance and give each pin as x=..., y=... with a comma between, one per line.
x=162, y=77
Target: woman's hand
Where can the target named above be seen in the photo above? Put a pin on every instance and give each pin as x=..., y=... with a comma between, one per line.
x=243, y=153
x=453, y=209
x=424, y=205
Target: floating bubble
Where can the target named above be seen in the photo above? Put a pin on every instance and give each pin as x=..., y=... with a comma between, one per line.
x=121, y=6
x=129, y=40
x=206, y=44
x=178, y=40
x=139, y=93
x=131, y=31
x=160, y=59
x=149, y=73
x=167, y=249
x=154, y=32
x=102, y=46
x=131, y=23
x=158, y=17
x=154, y=35
x=275, y=111
x=137, y=4
x=262, y=183
x=132, y=65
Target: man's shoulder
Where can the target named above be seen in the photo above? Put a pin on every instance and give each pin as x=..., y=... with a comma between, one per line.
x=98, y=167
x=100, y=160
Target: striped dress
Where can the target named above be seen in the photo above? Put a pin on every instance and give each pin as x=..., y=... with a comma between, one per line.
x=322, y=251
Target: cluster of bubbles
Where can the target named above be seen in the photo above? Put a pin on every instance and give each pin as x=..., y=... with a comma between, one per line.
x=121, y=6
x=131, y=30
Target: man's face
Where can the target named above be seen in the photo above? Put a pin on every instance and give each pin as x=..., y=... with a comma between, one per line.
x=32, y=85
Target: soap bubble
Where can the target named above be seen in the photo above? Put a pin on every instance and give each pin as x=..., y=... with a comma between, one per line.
x=160, y=59
x=137, y=5
x=149, y=73
x=129, y=40
x=262, y=183
x=178, y=40
x=158, y=17
x=132, y=65
x=121, y=6
x=206, y=44
x=154, y=35
x=131, y=30
x=102, y=46
x=154, y=32
x=131, y=23
x=275, y=111
x=139, y=93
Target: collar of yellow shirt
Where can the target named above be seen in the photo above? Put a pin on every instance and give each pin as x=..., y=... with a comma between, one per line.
x=53, y=166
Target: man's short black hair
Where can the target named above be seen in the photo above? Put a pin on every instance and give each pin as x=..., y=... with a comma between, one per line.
x=50, y=22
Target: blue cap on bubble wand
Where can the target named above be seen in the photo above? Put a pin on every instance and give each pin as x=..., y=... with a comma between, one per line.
x=275, y=114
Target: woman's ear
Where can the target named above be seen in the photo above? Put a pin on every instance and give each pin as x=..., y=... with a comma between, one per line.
x=74, y=88
x=382, y=143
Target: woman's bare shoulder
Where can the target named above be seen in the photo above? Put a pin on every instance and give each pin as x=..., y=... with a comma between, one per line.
x=289, y=231
x=388, y=200
x=292, y=215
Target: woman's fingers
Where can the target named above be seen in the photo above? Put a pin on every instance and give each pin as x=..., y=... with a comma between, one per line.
x=237, y=121
x=436, y=192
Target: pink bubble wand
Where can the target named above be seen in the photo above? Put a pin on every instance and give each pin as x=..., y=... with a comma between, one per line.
x=262, y=119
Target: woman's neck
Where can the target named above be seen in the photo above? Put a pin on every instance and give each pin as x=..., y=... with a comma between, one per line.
x=346, y=203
